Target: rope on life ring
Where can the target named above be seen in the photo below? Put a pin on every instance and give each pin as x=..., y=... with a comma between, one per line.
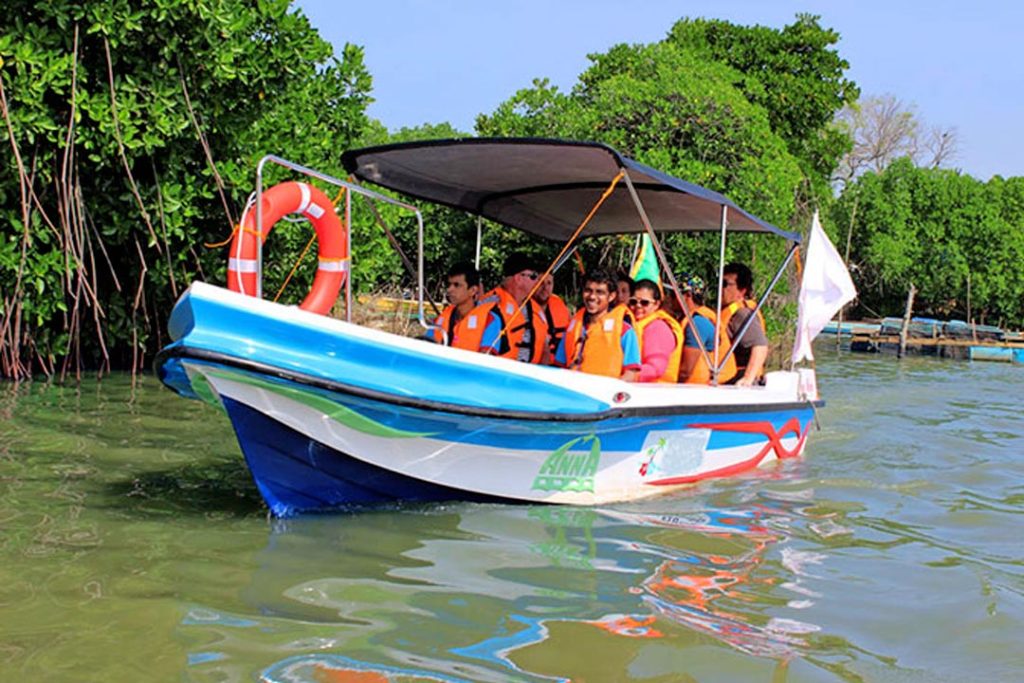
x=332, y=245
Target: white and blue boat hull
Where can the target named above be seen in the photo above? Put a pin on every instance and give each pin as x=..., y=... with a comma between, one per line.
x=330, y=414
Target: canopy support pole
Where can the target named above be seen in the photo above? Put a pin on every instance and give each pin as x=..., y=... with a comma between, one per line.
x=717, y=366
x=259, y=230
x=479, y=240
x=348, y=250
x=663, y=260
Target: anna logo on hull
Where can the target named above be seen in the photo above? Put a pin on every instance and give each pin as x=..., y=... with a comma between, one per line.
x=565, y=471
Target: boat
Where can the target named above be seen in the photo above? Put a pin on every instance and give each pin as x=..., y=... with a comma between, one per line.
x=330, y=414
x=997, y=354
x=850, y=328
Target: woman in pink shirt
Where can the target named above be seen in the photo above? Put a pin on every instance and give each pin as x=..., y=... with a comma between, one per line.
x=659, y=334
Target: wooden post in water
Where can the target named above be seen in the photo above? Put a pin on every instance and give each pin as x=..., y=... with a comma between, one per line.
x=906, y=321
x=970, y=318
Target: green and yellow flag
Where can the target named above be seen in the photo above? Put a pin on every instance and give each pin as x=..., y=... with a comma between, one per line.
x=645, y=267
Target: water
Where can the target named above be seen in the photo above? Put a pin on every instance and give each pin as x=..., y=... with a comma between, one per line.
x=133, y=546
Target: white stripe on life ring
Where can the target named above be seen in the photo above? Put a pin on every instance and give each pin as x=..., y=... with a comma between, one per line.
x=304, y=189
x=243, y=265
x=334, y=265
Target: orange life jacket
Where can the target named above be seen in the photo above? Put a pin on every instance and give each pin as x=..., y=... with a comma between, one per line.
x=446, y=321
x=672, y=369
x=599, y=351
x=557, y=316
x=727, y=314
x=470, y=330
x=701, y=373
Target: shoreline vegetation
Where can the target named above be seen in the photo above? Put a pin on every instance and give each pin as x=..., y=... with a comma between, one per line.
x=132, y=135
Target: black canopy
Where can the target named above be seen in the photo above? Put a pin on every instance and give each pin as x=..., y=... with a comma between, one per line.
x=546, y=187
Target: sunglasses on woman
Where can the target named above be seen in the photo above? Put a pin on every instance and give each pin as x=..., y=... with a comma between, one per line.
x=641, y=302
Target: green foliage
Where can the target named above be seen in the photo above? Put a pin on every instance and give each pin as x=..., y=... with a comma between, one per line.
x=942, y=231
x=794, y=74
x=110, y=195
x=678, y=110
x=259, y=79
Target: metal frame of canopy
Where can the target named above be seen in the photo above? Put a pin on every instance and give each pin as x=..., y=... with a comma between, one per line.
x=257, y=199
x=518, y=182
x=543, y=186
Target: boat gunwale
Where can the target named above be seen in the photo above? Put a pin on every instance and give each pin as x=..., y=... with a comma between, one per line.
x=206, y=355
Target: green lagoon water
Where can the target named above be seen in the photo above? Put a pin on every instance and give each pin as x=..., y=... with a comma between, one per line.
x=134, y=547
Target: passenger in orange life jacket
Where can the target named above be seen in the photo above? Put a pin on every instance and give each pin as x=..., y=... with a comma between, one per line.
x=600, y=338
x=737, y=306
x=462, y=292
x=554, y=309
x=661, y=337
x=507, y=323
x=694, y=368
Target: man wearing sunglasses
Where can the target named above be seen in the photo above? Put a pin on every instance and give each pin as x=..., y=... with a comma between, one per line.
x=600, y=338
x=659, y=334
x=507, y=323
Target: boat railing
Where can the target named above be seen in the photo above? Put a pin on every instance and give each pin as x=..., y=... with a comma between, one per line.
x=350, y=188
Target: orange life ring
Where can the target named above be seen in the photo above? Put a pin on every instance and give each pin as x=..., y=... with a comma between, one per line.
x=332, y=245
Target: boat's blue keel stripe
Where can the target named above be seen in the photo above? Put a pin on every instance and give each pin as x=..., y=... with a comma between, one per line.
x=295, y=473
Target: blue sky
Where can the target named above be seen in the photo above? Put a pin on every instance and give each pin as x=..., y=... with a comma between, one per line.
x=959, y=63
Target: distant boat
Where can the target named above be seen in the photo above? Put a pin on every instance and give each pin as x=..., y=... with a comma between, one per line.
x=999, y=354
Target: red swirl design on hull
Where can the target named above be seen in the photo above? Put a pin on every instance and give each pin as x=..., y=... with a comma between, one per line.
x=773, y=443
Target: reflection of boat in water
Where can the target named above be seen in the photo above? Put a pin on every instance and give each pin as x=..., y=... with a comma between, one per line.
x=328, y=413
x=327, y=668
x=491, y=592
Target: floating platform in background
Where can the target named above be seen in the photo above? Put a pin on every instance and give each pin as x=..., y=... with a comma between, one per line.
x=958, y=349
x=851, y=328
x=930, y=337
x=930, y=328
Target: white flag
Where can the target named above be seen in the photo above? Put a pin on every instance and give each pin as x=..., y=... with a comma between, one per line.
x=825, y=289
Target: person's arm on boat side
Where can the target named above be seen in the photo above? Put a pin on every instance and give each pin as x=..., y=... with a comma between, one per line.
x=559, y=359
x=432, y=334
x=443, y=327
x=751, y=350
x=630, y=355
x=752, y=375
